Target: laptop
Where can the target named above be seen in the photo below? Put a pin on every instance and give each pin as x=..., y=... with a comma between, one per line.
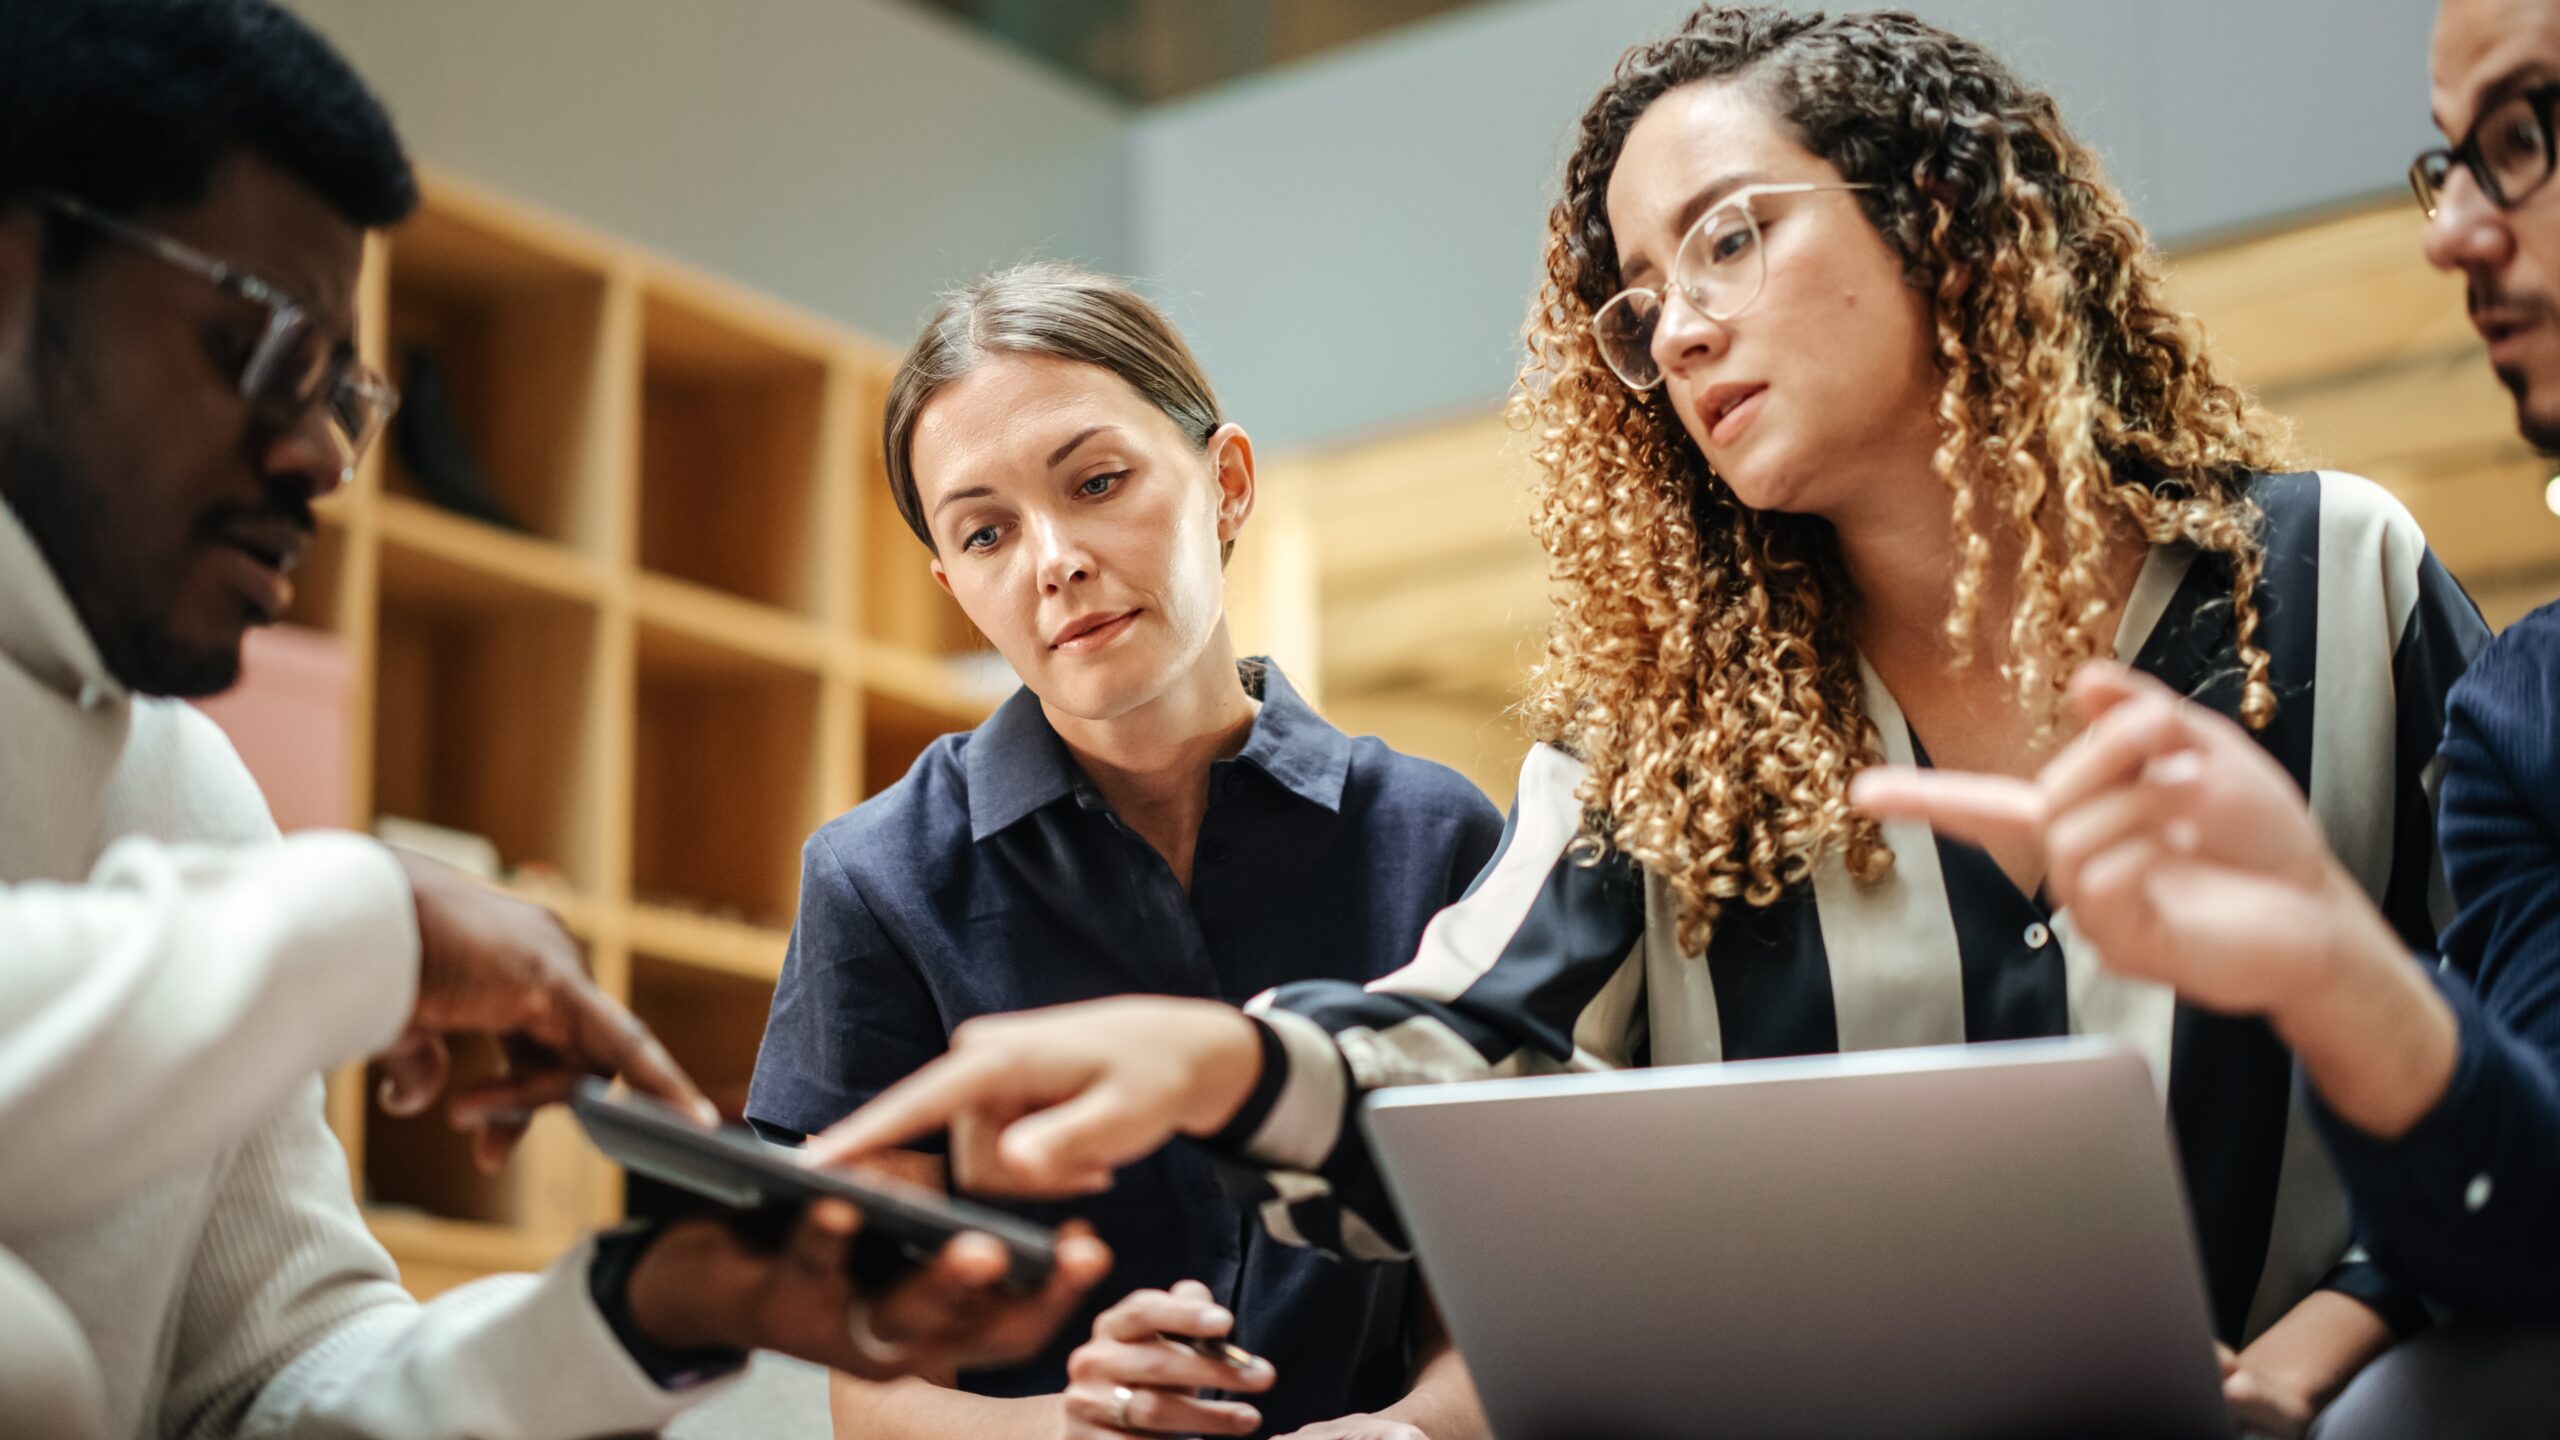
x=1972, y=1242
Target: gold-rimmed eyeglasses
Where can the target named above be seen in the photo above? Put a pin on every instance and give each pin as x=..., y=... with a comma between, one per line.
x=2508, y=150
x=1719, y=269
x=296, y=363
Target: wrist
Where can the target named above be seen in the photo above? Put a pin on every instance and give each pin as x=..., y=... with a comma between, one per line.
x=1226, y=1066
x=2373, y=1036
x=678, y=1295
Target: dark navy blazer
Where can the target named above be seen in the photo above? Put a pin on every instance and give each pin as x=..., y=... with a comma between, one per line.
x=994, y=877
x=2467, y=1204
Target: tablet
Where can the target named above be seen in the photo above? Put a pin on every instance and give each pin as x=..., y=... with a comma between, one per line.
x=903, y=1225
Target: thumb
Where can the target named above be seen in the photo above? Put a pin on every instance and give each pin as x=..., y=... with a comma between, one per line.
x=414, y=1071
x=1084, y=1138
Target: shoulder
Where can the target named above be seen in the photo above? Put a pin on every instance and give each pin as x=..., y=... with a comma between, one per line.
x=2335, y=517
x=1388, y=779
x=900, y=832
x=2512, y=691
x=216, y=799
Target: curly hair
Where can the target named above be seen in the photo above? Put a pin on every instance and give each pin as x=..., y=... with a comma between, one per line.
x=1699, y=660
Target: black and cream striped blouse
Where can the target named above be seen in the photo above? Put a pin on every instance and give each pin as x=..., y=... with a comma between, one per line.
x=1552, y=963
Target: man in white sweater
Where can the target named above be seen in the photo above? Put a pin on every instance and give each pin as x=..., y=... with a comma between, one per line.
x=184, y=190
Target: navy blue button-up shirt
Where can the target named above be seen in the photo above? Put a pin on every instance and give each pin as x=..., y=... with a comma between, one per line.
x=994, y=877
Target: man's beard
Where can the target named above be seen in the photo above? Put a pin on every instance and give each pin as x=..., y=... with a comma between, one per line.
x=68, y=519
x=2540, y=428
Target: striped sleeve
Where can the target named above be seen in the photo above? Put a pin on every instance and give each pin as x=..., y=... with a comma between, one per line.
x=1536, y=969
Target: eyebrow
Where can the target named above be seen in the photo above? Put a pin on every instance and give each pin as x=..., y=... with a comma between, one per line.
x=1081, y=436
x=981, y=492
x=2523, y=75
x=973, y=492
x=1698, y=205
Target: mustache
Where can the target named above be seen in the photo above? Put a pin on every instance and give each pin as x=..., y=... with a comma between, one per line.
x=285, y=505
x=2481, y=298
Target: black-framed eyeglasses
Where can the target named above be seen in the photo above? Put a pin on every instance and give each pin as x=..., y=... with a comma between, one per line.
x=2508, y=151
x=1719, y=269
x=297, y=361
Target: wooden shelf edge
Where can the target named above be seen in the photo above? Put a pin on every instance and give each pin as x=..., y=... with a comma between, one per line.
x=415, y=1238
x=519, y=560
x=733, y=623
x=729, y=946
x=920, y=680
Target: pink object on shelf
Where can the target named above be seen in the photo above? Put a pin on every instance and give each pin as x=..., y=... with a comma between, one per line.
x=288, y=717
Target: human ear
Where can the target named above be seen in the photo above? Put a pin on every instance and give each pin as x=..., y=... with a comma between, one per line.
x=1231, y=467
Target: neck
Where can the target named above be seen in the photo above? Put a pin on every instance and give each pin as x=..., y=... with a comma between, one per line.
x=1901, y=561
x=1152, y=763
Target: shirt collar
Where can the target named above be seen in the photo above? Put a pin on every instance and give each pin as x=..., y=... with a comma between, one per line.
x=1017, y=764
x=39, y=629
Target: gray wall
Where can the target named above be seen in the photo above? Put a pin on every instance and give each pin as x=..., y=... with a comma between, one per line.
x=1351, y=243
x=852, y=156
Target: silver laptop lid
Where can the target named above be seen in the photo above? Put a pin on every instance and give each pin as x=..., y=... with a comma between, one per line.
x=1967, y=1241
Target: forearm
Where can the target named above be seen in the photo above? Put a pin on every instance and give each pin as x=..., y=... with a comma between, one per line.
x=2318, y=1346
x=125, y=999
x=2374, y=1037
x=918, y=1409
x=1442, y=1403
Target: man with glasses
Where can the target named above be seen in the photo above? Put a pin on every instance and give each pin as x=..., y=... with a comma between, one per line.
x=185, y=186
x=2193, y=861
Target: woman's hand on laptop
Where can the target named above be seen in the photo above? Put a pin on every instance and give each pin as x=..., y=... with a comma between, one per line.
x=1134, y=1377
x=1050, y=1102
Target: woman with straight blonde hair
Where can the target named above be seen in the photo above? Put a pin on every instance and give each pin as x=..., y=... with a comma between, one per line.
x=1864, y=421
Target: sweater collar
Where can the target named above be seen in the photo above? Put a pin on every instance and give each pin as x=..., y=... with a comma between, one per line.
x=40, y=631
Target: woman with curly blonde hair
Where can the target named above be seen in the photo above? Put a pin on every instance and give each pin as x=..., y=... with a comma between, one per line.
x=1864, y=421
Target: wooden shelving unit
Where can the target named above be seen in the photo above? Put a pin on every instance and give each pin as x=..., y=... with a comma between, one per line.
x=710, y=634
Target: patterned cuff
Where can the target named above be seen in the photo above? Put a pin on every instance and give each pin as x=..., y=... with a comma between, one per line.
x=1233, y=1136
x=618, y=1251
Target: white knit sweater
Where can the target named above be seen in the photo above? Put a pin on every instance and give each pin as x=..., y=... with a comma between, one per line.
x=173, y=978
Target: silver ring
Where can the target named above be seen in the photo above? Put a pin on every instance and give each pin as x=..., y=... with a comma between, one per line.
x=867, y=1342
x=1121, y=1396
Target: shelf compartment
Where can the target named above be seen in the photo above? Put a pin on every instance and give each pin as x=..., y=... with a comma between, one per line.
x=419, y=1177
x=902, y=607
x=518, y=333
x=712, y=1021
x=490, y=714
x=727, y=778
x=733, y=472
x=900, y=720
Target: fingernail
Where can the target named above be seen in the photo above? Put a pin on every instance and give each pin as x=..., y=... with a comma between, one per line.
x=1217, y=1316
x=2181, y=768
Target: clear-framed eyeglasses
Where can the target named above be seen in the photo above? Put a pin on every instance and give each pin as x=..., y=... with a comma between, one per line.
x=297, y=362
x=2508, y=151
x=1719, y=270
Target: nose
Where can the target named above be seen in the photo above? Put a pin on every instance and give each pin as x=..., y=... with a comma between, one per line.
x=2468, y=233
x=312, y=456
x=1064, y=558
x=1684, y=335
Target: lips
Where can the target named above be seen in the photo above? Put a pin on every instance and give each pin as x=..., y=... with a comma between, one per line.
x=1727, y=409
x=1091, y=632
x=259, y=556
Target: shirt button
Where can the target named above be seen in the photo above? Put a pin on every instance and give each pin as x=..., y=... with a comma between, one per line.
x=2037, y=935
x=2475, y=1196
x=1214, y=851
